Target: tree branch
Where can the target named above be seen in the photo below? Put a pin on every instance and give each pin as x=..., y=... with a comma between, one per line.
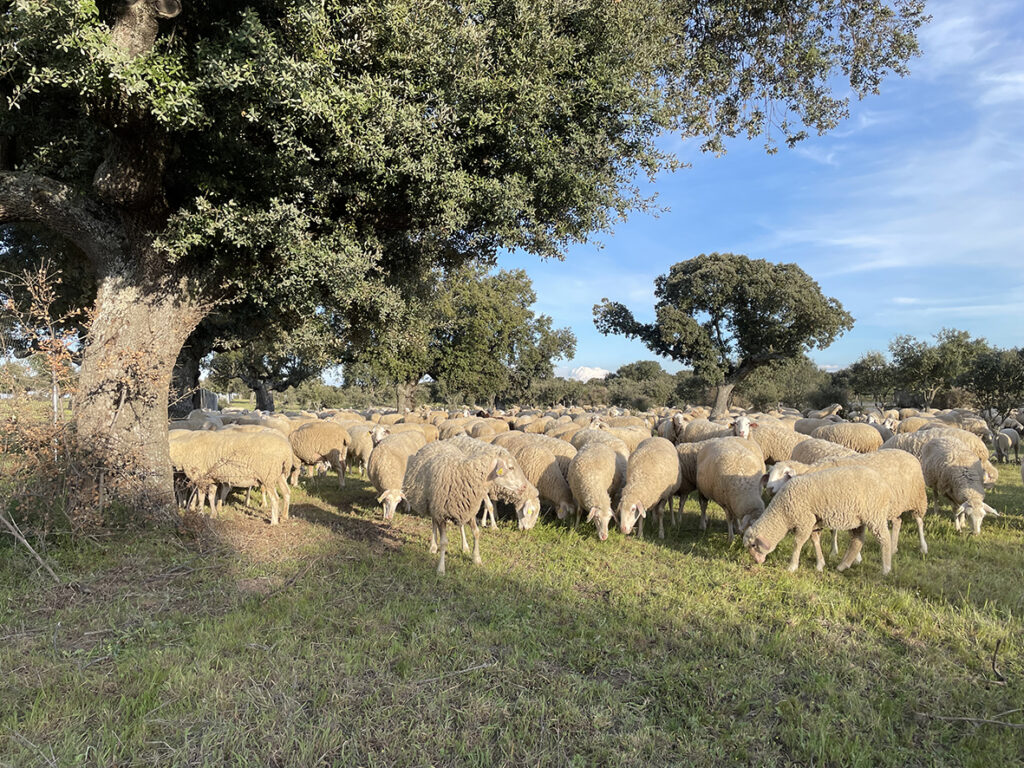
x=25, y=197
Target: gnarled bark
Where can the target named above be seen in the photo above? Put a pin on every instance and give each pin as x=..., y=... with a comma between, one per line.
x=264, y=396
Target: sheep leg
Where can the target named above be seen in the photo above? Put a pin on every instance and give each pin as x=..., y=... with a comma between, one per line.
x=835, y=541
x=248, y=495
x=462, y=530
x=433, y=537
x=920, y=535
x=856, y=542
x=897, y=523
x=294, y=477
x=339, y=467
x=801, y=536
x=660, y=512
x=819, y=564
x=732, y=533
x=443, y=527
x=672, y=510
x=476, y=540
x=286, y=496
x=640, y=528
x=881, y=532
x=702, y=499
x=222, y=493
x=274, y=516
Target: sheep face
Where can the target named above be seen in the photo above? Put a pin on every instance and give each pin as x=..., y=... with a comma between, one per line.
x=600, y=518
x=379, y=433
x=742, y=426
x=757, y=546
x=976, y=513
x=565, y=509
x=528, y=513
x=389, y=501
x=629, y=516
x=777, y=477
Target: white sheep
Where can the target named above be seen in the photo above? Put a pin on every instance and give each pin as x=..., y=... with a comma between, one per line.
x=318, y=441
x=386, y=468
x=850, y=498
x=807, y=426
x=777, y=443
x=832, y=410
x=1005, y=440
x=813, y=450
x=596, y=473
x=729, y=472
x=525, y=498
x=953, y=471
x=652, y=479
x=541, y=468
x=450, y=487
x=862, y=438
x=699, y=430
x=915, y=441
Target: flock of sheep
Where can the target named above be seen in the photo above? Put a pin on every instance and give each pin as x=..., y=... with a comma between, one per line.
x=819, y=470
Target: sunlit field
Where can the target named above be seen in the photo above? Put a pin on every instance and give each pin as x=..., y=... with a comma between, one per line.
x=330, y=640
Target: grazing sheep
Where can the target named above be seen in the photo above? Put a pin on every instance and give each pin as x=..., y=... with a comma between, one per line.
x=449, y=486
x=386, y=468
x=542, y=469
x=361, y=447
x=525, y=497
x=777, y=443
x=1005, y=440
x=862, y=438
x=319, y=441
x=596, y=473
x=652, y=478
x=687, y=453
x=729, y=473
x=854, y=497
x=813, y=450
x=914, y=443
x=901, y=470
x=238, y=459
x=953, y=471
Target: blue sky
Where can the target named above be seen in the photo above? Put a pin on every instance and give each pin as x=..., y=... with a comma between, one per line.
x=911, y=213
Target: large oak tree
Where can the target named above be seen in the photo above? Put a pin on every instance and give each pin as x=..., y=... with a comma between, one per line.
x=296, y=155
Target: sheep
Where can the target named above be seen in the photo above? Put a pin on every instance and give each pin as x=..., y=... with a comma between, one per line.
x=729, y=472
x=673, y=427
x=914, y=443
x=776, y=443
x=952, y=470
x=1011, y=423
x=687, y=454
x=585, y=436
x=525, y=498
x=824, y=413
x=1005, y=440
x=862, y=438
x=631, y=436
x=386, y=468
x=900, y=469
x=699, y=430
x=449, y=486
x=652, y=479
x=541, y=468
x=361, y=447
x=596, y=473
x=813, y=449
x=853, y=497
x=239, y=459
x=807, y=426
x=321, y=441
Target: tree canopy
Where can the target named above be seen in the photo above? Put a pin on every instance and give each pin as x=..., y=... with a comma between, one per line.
x=727, y=315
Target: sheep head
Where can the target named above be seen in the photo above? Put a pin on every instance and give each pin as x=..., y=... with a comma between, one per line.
x=600, y=518
x=389, y=501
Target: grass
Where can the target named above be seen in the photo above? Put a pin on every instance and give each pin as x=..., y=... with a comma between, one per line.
x=330, y=640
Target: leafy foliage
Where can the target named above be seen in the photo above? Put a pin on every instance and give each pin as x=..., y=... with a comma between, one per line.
x=926, y=369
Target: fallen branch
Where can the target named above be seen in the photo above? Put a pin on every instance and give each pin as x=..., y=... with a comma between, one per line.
x=975, y=720
x=15, y=531
x=456, y=672
x=995, y=671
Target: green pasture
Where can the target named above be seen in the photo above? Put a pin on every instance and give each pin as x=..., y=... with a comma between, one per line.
x=330, y=640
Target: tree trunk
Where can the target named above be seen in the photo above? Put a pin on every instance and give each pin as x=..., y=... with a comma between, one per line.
x=264, y=397
x=723, y=393
x=121, y=403
x=185, y=382
x=404, y=393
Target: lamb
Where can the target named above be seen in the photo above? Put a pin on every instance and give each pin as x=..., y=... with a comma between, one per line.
x=386, y=468
x=653, y=477
x=450, y=486
x=729, y=472
x=319, y=441
x=813, y=450
x=901, y=470
x=1005, y=440
x=239, y=459
x=862, y=438
x=854, y=497
x=952, y=470
x=777, y=443
x=596, y=473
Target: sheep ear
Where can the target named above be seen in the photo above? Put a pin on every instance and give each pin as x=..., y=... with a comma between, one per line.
x=990, y=510
x=753, y=425
x=764, y=481
x=592, y=515
x=641, y=511
x=380, y=499
x=497, y=469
